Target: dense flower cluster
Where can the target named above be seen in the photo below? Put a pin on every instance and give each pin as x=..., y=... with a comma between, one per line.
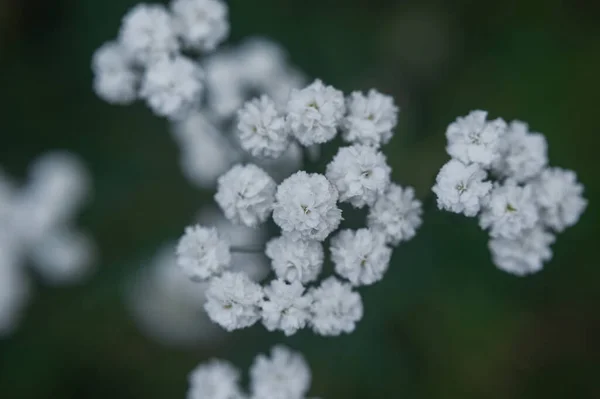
x=524, y=204
x=305, y=206
x=150, y=59
x=36, y=228
x=282, y=375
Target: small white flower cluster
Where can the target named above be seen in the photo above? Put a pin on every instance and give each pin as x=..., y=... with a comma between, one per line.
x=148, y=59
x=305, y=207
x=168, y=306
x=282, y=375
x=35, y=228
x=524, y=205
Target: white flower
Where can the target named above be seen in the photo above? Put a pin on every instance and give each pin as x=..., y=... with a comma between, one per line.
x=361, y=256
x=202, y=24
x=202, y=253
x=246, y=194
x=510, y=211
x=306, y=207
x=285, y=375
x=371, y=119
x=525, y=254
x=360, y=174
x=314, y=113
x=335, y=308
x=523, y=154
x=460, y=188
x=148, y=32
x=560, y=197
x=114, y=79
x=261, y=130
x=295, y=260
x=206, y=153
x=285, y=307
x=396, y=214
x=63, y=256
x=215, y=379
x=172, y=86
x=472, y=139
x=167, y=306
x=232, y=301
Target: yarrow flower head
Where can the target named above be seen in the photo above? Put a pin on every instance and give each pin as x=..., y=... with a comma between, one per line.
x=285, y=307
x=202, y=253
x=472, y=139
x=314, y=113
x=233, y=301
x=335, y=308
x=202, y=24
x=371, y=118
x=560, y=198
x=360, y=256
x=172, y=86
x=216, y=379
x=360, y=174
x=114, y=79
x=523, y=154
x=525, y=254
x=306, y=207
x=460, y=188
x=261, y=129
x=246, y=194
x=396, y=214
x=295, y=260
x=148, y=33
x=510, y=210
x=283, y=375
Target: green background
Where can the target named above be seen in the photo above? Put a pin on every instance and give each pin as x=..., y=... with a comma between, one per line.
x=444, y=323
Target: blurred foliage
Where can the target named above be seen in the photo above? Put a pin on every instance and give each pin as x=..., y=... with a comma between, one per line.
x=444, y=323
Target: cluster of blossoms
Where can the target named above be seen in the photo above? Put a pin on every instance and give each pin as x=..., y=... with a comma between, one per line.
x=35, y=228
x=500, y=173
x=305, y=207
x=152, y=57
x=283, y=375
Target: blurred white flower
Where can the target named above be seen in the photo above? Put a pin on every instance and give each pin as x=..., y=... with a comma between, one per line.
x=148, y=32
x=371, y=118
x=523, y=154
x=202, y=24
x=560, y=198
x=523, y=255
x=336, y=308
x=283, y=375
x=172, y=86
x=215, y=379
x=115, y=81
x=396, y=214
x=361, y=256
